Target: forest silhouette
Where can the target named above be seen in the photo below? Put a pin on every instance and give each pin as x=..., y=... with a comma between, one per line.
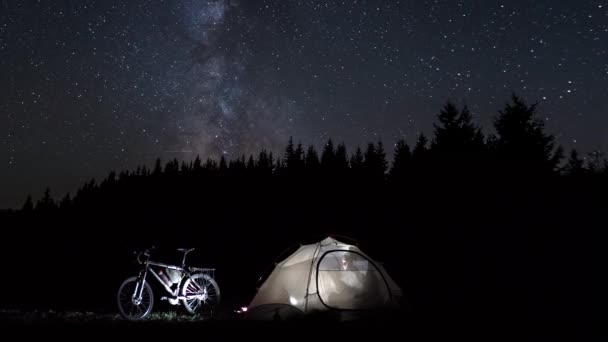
x=469, y=224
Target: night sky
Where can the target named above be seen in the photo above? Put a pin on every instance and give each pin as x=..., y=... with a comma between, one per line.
x=92, y=86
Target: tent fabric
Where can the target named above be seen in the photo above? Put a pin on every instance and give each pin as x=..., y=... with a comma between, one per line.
x=323, y=276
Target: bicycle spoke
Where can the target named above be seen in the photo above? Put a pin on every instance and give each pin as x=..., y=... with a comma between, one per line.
x=127, y=301
x=203, y=293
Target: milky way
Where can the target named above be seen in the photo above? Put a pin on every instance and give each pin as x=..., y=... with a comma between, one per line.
x=222, y=112
x=93, y=86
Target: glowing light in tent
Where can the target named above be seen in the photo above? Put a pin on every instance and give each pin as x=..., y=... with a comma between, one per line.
x=293, y=301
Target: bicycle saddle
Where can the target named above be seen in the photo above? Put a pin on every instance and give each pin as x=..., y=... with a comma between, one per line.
x=185, y=250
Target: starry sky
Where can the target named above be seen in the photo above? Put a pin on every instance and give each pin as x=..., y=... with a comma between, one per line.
x=92, y=86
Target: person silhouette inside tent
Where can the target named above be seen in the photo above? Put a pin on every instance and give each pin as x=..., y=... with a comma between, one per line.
x=345, y=262
x=354, y=277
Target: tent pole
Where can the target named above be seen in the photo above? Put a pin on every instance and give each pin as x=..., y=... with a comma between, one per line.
x=312, y=262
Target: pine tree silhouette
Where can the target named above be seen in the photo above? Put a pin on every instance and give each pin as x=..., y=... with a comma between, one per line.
x=420, y=155
x=123, y=175
x=420, y=149
x=382, y=163
x=597, y=164
x=185, y=167
x=357, y=160
x=271, y=162
x=251, y=163
x=46, y=203
x=457, y=143
x=471, y=135
x=66, y=202
x=369, y=159
x=312, y=158
x=28, y=206
x=575, y=165
x=223, y=165
x=196, y=166
x=158, y=169
x=328, y=156
x=299, y=158
x=402, y=160
x=279, y=168
x=211, y=165
x=522, y=146
x=293, y=158
x=236, y=166
x=172, y=168
x=445, y=132
x=341, y=159
x=375, y=164
x=290, y=155
x=265, y=164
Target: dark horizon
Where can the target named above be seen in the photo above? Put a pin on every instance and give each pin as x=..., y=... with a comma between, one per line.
x=391, y=152
x=181, y=157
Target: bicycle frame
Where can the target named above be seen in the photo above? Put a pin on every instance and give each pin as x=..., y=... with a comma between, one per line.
x=185, y=271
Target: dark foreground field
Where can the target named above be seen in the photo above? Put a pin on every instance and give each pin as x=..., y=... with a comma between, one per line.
x=492, y=255
x=175, y=327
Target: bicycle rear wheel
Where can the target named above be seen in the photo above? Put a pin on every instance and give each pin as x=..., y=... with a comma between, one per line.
x=134, y=308
x=203, y=294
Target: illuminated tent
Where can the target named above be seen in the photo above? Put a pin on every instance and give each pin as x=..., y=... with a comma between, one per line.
x=328, y=275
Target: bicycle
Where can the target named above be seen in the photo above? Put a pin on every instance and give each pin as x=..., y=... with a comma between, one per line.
x=195, y=288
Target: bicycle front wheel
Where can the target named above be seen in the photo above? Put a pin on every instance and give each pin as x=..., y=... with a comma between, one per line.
x=130, y=306
x=201, y=294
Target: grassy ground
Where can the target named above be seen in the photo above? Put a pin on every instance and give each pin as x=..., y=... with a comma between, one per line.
x=177, y=326
x=37, y=316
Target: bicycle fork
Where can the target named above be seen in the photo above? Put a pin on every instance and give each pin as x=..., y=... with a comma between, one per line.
x=139, y=288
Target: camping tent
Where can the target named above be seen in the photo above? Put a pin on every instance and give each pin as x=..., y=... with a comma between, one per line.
x=328, y=275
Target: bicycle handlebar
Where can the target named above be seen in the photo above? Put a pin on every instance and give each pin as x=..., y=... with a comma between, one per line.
x=145, y=252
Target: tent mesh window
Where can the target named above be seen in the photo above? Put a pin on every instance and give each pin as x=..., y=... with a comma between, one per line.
x=347, y=280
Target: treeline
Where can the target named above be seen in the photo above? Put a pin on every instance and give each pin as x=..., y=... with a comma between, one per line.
x=520, y=149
